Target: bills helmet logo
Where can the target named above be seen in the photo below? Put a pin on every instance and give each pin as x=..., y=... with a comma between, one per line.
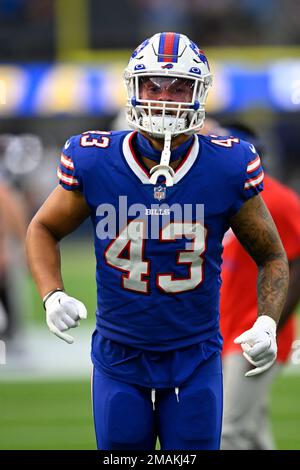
x=199, y=53
x=167, y=66
x=140, y=48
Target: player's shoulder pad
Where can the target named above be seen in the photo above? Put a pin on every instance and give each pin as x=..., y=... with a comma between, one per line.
x=92, y=139
x=87, y=146
x=232, y=148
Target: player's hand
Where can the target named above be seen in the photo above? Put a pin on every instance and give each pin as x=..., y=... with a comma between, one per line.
x=259, y=345
x=63, y=312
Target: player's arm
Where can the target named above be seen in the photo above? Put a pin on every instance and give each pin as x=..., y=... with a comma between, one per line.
x=255, y=229
x=60, y=215
x=293, y=295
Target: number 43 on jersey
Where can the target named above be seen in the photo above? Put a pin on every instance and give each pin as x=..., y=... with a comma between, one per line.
x=135, y=268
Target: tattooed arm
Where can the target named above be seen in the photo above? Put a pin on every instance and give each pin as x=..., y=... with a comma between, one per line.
x=293, y=295
x=255, y=229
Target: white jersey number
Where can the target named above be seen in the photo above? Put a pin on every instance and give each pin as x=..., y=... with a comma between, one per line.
x=88, y=141
x=226, y=142
x=191, y=257
x=135, y=267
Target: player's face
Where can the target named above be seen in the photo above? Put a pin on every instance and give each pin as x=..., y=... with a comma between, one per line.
x=169, y=89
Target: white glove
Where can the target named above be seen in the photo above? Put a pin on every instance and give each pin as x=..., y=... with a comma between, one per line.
x=63, y=312
x=259, y=344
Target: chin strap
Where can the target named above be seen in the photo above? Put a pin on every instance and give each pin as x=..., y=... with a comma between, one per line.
x=163, y=169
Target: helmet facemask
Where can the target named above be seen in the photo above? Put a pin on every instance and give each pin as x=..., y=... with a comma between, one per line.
x=166, y=103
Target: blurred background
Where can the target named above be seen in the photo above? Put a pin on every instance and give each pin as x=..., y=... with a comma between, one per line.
x=61, y=64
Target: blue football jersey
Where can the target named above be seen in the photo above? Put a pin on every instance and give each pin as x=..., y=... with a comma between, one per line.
x=158, y=249
x=159, y=291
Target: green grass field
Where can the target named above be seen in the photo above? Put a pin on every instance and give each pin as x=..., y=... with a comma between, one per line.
x=285, y=412
x=46, y=415
x=58, y=415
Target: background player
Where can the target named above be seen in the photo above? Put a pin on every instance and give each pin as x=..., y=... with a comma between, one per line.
x=156, y=347
x=246, y=412
x=13, y=226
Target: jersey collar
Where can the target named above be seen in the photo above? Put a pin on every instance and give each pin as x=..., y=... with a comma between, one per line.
x=142, y=173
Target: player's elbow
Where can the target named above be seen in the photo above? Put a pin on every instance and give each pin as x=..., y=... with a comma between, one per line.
x=32, y=231
x=39, y=233
x=275, y=256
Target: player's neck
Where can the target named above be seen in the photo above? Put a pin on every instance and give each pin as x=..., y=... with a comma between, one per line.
x=158, y=144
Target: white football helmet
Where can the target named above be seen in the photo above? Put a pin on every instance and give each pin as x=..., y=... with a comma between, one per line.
x=177, y=57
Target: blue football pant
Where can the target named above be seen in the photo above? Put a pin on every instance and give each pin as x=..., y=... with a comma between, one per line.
x=125, y=420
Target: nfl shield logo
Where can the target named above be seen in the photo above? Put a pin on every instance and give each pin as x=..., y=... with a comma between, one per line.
x=159, y=192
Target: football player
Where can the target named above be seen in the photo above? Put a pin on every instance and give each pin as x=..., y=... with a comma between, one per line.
x=160, y=199
x=13, y=226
